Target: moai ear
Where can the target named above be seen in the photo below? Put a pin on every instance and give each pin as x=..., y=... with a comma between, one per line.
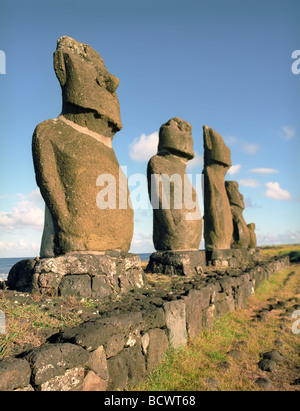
x=59, y=67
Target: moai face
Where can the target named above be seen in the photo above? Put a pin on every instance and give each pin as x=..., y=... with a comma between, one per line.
x=235, y=197
x=175, y=136
x=86, y=83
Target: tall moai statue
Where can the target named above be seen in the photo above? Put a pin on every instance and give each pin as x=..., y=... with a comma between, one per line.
x=241, y=235
x=218, y=225
x=252, y=236
x=72, y=151
x=177, y=221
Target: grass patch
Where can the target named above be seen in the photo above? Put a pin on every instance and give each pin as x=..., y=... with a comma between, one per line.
x=28, y=325
x=293, y=250
x=206, y=358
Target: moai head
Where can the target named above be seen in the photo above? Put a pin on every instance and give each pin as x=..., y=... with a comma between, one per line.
x=175, y=137
x=86, y=83
x=235, y=197
x=215, y=150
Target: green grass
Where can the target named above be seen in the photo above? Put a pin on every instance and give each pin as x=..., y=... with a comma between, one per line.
x=190, y=369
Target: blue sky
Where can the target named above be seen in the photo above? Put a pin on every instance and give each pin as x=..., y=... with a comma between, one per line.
x=224, y=63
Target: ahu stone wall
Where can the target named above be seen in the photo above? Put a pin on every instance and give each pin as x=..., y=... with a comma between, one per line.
x=121, y=347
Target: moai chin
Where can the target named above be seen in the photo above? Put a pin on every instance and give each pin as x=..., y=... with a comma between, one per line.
x=72, y=151
x=241, y=235
x=177, y=222
x=218, y=226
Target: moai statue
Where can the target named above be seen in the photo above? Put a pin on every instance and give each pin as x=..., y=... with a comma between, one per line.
x=241, y=235
x=252, y=241
x=218, y=225
x=177, y=222
x=72, y=151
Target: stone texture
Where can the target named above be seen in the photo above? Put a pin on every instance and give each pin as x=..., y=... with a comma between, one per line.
x=134, y=334
x=218, y=226
x=209, y=315
x=177, y=222
x=176, y=322
x=196, y=301
x=21, y=282
x=273, y=356
x=252, y=240
x=72, y=151
x=263, y=383
x=98, y=364
x=126, y=368
x=156, y=349
x=183, y=263
x=93, y=274
x=50, y=361
x=14, y=374
x=66, y=382
x=92, y=382
x=241, y=234
x=232, y=258
x=94, y=333
x=267, y=365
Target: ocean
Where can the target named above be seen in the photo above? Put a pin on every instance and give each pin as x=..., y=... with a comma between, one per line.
x=7, y=263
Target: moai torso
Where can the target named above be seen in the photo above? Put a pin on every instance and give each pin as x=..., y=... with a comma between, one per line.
x=177, y=222
x=252, y=235
x=218, y=226
x=241, y=236
x=72, y=151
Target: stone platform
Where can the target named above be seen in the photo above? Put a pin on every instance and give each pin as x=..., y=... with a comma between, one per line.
x=234, y=258
x=91, y=274
x=183, y=263
x=191, y=263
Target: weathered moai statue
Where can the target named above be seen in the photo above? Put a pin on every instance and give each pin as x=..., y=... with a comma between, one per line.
x=252, y=236
x=72, y=151
x=177, y=222
x=241, y=235
x=218, y=225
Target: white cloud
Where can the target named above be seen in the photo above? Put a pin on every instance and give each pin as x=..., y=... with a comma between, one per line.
x=274, y=191
x=144, y=147
x=26, y=214
x=263, y=171
x=197, y=162
x=289, y=237
x=142, y=243
x=234, y=169
x=250, y=182
x=249, y=148
x=287, y=132
x=20, y=245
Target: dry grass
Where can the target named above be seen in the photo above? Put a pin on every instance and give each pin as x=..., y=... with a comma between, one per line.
x=203, y=363
x=29, y=323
